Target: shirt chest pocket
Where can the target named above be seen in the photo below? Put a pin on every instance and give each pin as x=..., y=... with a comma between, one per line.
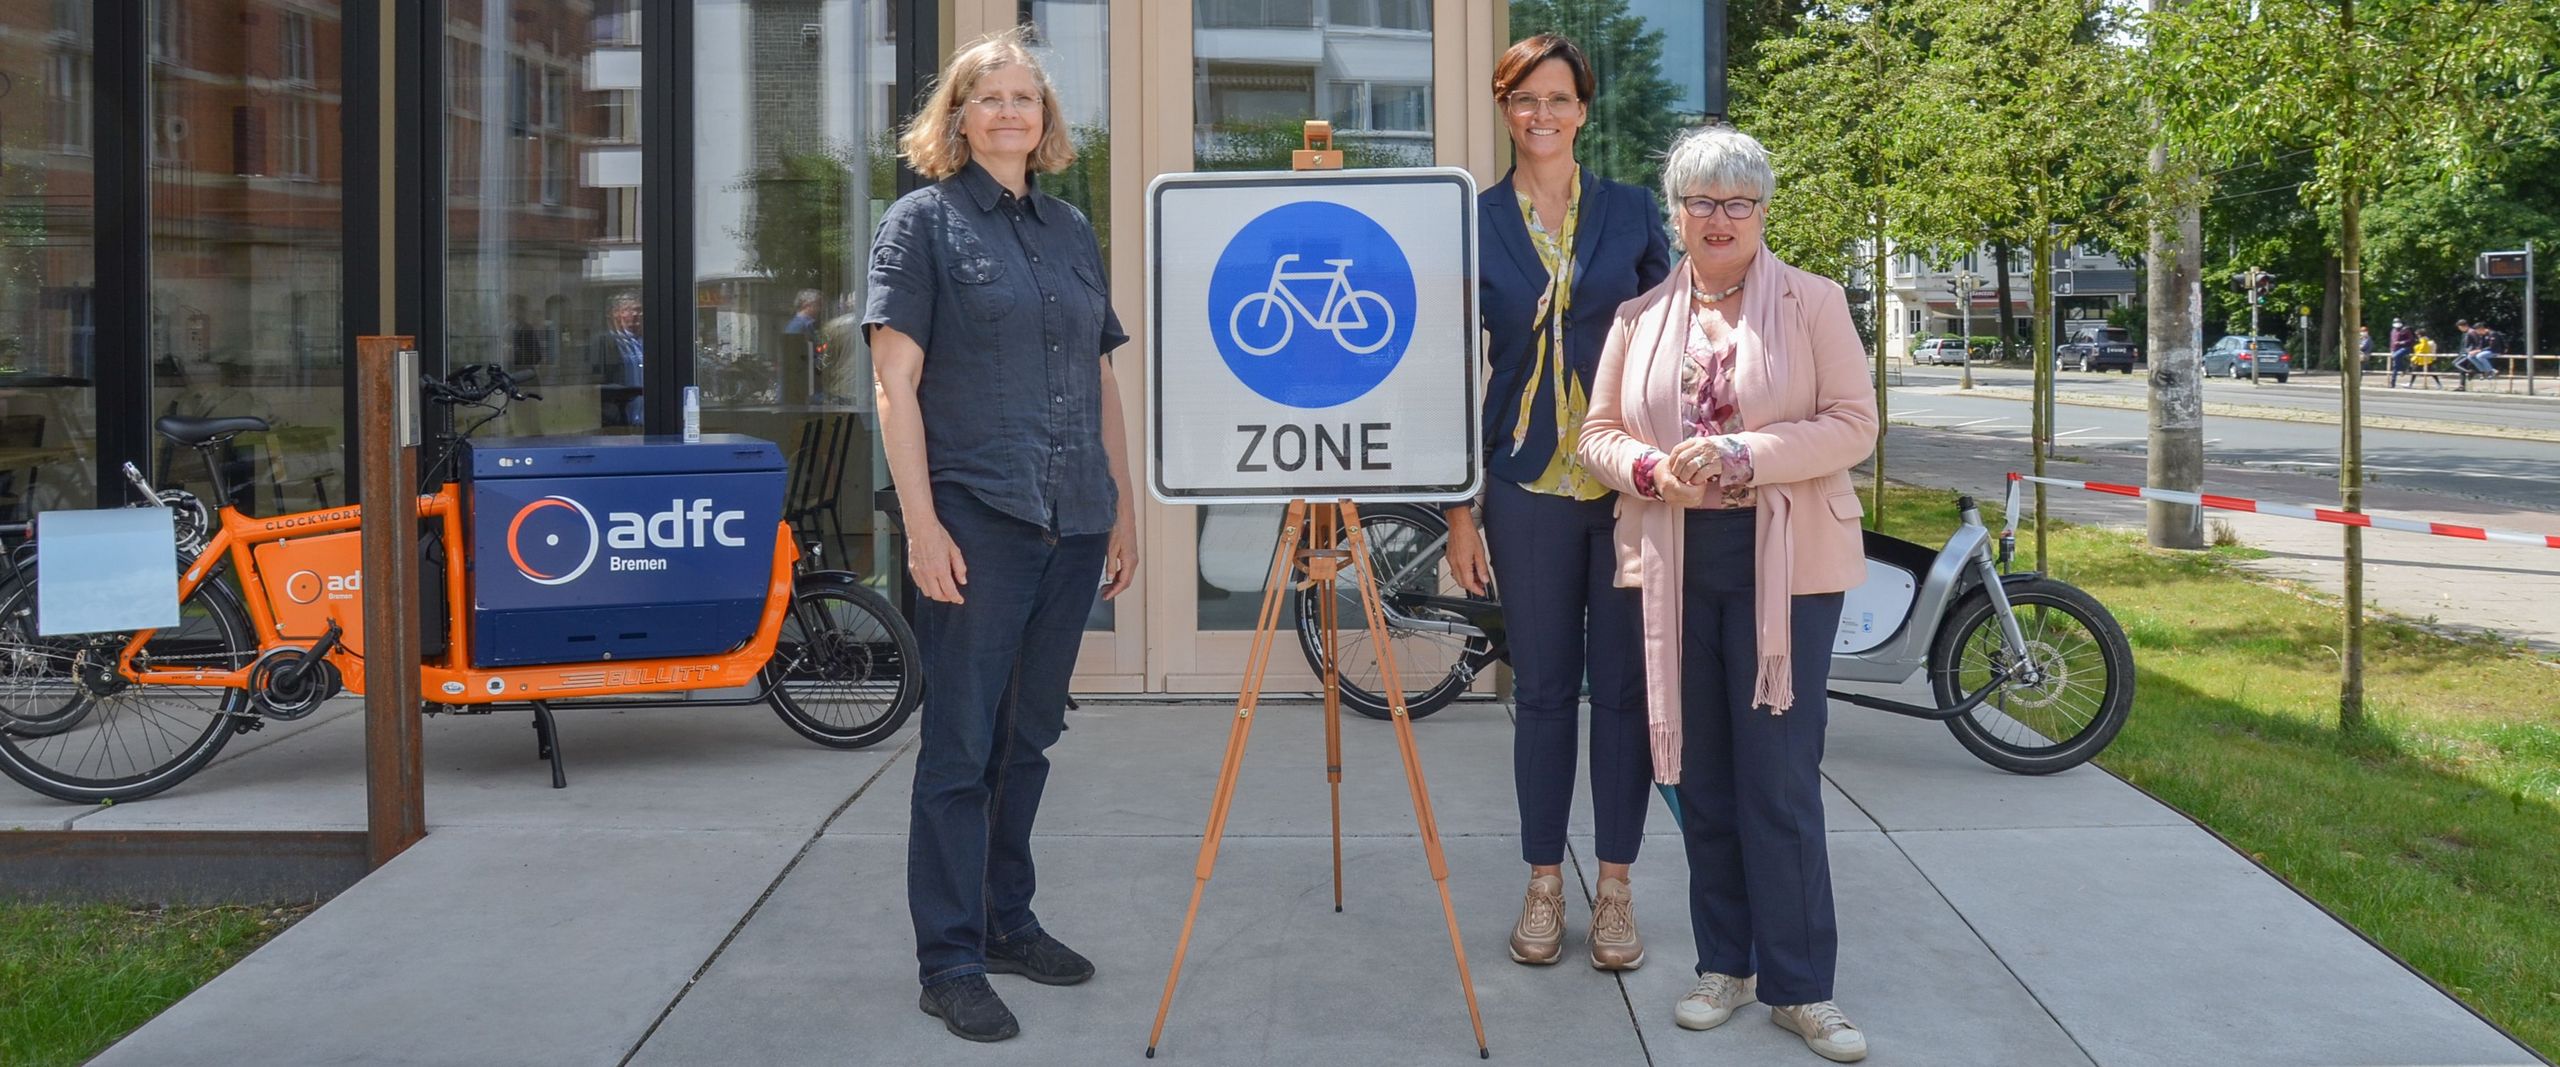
x=1093, y=294
x=979, y=281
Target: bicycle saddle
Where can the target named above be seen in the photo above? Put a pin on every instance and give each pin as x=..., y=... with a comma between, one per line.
x=188, y=430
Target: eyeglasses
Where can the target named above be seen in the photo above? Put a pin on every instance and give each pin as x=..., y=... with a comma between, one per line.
x=1024, y=103
x=1704, y=207
x=1532, y=103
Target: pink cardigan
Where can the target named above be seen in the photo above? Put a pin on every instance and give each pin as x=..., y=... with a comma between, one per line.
x=1809, y=414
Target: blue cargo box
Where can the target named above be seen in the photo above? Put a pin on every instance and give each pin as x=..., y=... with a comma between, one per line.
x=588, y=549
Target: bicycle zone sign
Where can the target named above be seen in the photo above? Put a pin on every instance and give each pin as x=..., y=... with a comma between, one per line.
x=1314, y=336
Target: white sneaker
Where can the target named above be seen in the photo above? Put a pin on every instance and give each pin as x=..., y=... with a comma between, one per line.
x=1713, y=1002
x=1824, y=1030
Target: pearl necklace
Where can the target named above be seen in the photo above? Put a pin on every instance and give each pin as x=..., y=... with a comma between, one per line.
x=1705, y=297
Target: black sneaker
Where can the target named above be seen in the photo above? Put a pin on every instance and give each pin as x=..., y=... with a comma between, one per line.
x=1039, y=957
x=969, y=1007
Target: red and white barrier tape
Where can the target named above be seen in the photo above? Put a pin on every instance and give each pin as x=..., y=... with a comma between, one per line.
x=2291, y=511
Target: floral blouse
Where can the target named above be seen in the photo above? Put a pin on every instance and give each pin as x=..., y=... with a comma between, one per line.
x=1707, y=409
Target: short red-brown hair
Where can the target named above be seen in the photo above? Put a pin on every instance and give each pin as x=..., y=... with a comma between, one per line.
x=1525, y=55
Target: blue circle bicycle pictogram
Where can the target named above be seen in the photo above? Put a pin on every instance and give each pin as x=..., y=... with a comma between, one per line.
x=1311, y=304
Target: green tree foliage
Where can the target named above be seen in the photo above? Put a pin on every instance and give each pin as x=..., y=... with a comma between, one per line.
x=1632, y=117
x=2386, y=93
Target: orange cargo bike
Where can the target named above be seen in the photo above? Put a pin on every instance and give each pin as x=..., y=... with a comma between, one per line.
x=270, y=618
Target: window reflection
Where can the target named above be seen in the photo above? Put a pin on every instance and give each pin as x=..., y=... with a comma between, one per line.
x=543, y=187
x=48, y=258
x=795, y=107
x=246, y=242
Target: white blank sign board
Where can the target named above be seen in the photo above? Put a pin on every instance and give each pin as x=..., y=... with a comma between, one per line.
x=106, y=571
x=1314, y=336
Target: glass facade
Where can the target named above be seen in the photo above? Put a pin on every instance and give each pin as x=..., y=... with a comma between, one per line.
x=795, y=124
x=48, y=257
x=196, y=197
x=246, y=234
x=542, y=182
x=1642, y=55
x=1261, y=68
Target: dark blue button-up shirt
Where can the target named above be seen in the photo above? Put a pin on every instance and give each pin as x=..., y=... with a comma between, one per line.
x=1009, y=301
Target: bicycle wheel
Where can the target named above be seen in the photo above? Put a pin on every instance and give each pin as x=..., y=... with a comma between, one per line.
x=1405, y=547
x=72, y=730
x=1377, y=323
x=2085, y=687
x=844, y=671
x=1261, y=337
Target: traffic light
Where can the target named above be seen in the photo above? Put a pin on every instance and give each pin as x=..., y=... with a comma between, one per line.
x=2256, y=283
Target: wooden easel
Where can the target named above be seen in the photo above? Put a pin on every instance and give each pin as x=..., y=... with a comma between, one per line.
x=1332, y=536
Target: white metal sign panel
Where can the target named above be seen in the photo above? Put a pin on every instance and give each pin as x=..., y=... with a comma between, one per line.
x=1314, y=336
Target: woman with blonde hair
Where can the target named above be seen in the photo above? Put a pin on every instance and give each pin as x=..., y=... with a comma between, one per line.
x=1730, y=403
x=990, y=321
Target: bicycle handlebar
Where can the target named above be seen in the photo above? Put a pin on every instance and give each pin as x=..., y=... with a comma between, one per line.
x=474, y=383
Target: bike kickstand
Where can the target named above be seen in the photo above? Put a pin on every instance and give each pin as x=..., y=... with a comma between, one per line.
x=546, y=736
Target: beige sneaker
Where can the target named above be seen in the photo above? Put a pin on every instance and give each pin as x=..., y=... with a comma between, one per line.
x=1538, y=939
x=1615, y=946
x=1824, y=1030
x=1714, y=1001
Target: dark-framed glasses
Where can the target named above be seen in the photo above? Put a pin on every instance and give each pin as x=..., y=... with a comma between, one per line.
x=1704, y=207
x=1532, y=103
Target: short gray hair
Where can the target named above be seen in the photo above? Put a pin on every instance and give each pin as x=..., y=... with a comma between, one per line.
x=1716, y=158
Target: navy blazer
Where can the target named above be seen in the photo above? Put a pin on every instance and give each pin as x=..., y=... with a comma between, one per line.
x=1621, y=250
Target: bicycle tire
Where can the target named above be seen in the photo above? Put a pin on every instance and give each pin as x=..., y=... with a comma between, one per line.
x=213, y=631
x=862, y=663
x=2012, y=730
x=1436, y=668
x=1386, y=312
x=1235, y=320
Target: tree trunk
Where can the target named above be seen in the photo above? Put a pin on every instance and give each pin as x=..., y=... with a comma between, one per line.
x=2351, y=392
x=2176, y=299
x=2330, y=277
x=1875, y=302
x=2008, y=318
x=2040, y=433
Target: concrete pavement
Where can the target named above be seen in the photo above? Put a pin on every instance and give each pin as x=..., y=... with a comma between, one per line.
x=711, y=889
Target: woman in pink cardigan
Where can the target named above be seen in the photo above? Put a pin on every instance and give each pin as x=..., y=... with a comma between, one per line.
x=1729, y=404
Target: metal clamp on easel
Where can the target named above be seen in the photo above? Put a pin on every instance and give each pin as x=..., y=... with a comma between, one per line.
x=1322, y=546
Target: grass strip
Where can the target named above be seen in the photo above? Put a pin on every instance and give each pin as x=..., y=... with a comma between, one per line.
x=2435, y=830
x=75, y=978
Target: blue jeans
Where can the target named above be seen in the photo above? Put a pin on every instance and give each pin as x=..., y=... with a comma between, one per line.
x=995, y=670
x=1750, y=781
x=1555, y=561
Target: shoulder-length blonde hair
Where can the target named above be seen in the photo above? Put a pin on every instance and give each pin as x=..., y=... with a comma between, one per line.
x=932, y=144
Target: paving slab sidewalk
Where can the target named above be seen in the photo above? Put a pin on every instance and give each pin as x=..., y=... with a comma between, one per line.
x=2512, y=591
x=712, y=890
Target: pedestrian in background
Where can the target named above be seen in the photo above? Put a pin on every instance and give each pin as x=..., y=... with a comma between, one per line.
x=2403, y=348
x=618, y=360
x=1562, y=248
x=1730, y=403
x=990, y=325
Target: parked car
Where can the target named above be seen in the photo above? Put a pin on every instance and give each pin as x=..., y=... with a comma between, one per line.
x=1938, y=350
x=2103, y=348
x=2232, y=356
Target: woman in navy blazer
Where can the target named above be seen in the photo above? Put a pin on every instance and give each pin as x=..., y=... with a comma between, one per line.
x=1562, y=248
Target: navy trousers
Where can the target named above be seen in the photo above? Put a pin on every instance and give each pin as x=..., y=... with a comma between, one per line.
x=1554, y=559
x=1751, y=781
x=995, y=670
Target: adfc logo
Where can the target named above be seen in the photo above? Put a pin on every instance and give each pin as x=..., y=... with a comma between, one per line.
x=1311, y=304
x=547, y=535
